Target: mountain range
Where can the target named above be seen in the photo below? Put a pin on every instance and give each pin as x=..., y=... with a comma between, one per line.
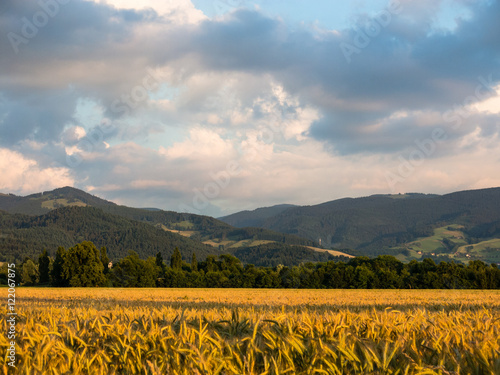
x=66, y=216
x=460, y=226
x=407, y=225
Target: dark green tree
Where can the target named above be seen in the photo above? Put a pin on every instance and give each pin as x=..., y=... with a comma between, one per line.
x=290, y=277
x=29, y=272
x=231, y=263
x=159, y=261
x=83, y=266
x=215, y=279
x=161, y=267
x=364, y=277
x=125, y=273
x=105, y=260
x=160, y=264
x=57, y=274
x=176, y=260
x=44, y=267
x=149, y=273
x=4, y=271
x=194, y=263
x=135, y=272
x=211, y=266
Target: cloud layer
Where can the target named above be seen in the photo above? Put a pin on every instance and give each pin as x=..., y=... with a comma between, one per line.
x=157, y=105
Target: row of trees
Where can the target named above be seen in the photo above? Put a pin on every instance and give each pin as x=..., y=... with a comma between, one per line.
x=86, y=266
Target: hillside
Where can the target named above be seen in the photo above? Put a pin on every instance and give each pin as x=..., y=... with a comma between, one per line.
x=75, y=215
x=23, y=235
x=256, y=217
x=272, y=254
x=198, y=227
x=42, y=203
x=461, y=226
x=388, y=224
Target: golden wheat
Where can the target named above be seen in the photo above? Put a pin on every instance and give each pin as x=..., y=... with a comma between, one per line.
x=227, y=331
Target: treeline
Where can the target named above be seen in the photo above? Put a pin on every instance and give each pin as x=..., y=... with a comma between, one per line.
x=84, y=265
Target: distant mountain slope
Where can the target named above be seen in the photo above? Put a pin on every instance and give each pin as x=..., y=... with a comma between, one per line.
x=41, y=203
x=256, y=217
x=376, y=224
x=198, y=227
x=23, y=235
x=409, y=226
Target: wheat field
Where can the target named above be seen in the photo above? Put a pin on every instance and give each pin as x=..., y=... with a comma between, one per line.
x=254, y=331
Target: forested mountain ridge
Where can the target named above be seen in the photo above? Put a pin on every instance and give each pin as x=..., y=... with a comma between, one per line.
x=459, y=226
x=66, y=216
x=23, y=235
x=26, y=236
x=386, y=224
x=198, y=227
x=42, y=203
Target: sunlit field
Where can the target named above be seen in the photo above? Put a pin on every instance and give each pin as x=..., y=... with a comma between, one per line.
x=252, y=331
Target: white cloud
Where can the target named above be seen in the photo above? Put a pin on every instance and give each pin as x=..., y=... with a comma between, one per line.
x=179, y=11
x=297, y=127
x=73, y=134
x=301, y=173
x=148, y=184
x=24, y=176
x=491, y=105
x=104, y=187
x=201, y=144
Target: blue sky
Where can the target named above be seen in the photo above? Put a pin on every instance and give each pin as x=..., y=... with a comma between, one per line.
x=217, y=106
x=334, y=15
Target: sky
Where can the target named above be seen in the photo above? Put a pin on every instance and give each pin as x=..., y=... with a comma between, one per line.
x=213, y=107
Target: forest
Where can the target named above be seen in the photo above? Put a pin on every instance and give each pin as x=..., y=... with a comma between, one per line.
x=24, y=235
x=84, y=265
